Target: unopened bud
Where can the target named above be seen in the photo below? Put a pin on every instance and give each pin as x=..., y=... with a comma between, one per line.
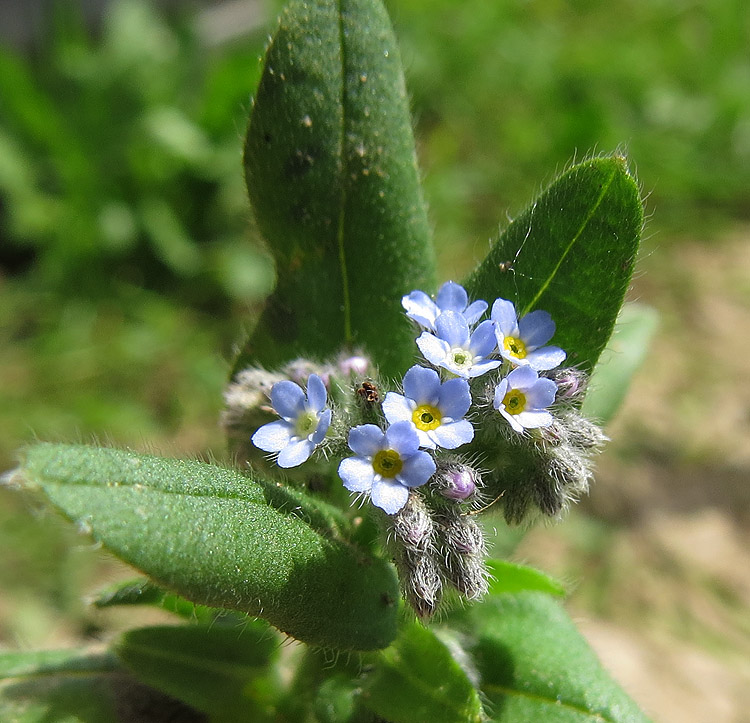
x=571, y=383
x=462, y=543
x=455, y=480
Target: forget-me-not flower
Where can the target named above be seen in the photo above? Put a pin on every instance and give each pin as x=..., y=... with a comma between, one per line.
x=522, y=342
x=436, y=411
x=387, y=464
x=450, y=297
x=522, y=398
x=454, y=348
x=303, y=424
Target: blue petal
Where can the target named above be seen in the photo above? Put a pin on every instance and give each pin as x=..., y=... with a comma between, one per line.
x=548, y=357
x=535, y=419
x=402, y=436
x=421, y=308
x=536, y=329
x=417, y=469
x=389, y=495
x=324, y=422
x=541, y=394
x=273, y=437
x=425, y=441
x=453, y=434
x=287, y=399
x=455, y=398
x=475, y=311
x=357, y=474
x=366, y=440
x=422, y=385
x=483, y=340
x=500, y=391
x=522, y=377
x=453, y=328
x=483, y=367
x=397, y=408
x=512, y=419
x=295, y=454
x=433, y=349
x=316, y=393
x=452, y=297
x=504, y=315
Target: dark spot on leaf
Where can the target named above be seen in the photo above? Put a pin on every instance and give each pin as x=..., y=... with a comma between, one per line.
x=299, y=163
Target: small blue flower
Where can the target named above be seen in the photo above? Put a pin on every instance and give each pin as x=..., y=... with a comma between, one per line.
x=387, y=464
x=450, y=297
x=522, y=398
x=303, y=424
x=455, y=349
x=436, y=411
x=522, y=342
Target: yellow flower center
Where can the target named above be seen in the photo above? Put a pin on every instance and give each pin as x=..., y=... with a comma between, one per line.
x=387, y=463
x=515, y=347
x=514, y=401
x=426, y=417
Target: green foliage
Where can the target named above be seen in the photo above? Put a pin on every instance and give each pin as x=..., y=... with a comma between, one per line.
x=509, y=577
x=222, y=539
x=571, y=253
x=332, y=175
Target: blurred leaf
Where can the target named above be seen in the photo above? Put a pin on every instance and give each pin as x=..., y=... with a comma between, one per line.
x=417, y=680
x=626, y=351
x=170, y=240
x=535, y=666
x=222, y=539
x=219, y=670
x=509, y=577
x=332, y=175
x=572, y=254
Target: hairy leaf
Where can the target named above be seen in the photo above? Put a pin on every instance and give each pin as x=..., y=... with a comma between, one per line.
x=572, y=254
x=332, y=175
x=509, y=577
x=222, y=539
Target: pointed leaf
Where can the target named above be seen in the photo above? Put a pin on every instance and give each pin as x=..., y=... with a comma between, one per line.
x=417, y=679
x=571, y=254
x=222, y=539
x=217, y=670
x=332, y=175
x=535, y=665
x=626, y=351
x=509, y=577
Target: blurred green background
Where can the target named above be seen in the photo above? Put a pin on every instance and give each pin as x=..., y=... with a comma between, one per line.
x=129, y=269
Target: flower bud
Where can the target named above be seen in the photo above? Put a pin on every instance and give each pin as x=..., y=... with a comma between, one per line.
x=462, y=545
x=455, y=480
x=571, y=383
x=356, y=366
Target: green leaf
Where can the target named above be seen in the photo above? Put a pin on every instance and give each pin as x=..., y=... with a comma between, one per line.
x=509, y=577
x=417, y=679
x=623, y=357
x=572, y=254
x=332, y=175
x=222, y=539
x=218, y=670
x=535, y=665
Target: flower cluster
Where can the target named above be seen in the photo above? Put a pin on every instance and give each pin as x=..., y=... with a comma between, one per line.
x=493, y=386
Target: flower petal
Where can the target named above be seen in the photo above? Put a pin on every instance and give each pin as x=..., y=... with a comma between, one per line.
x=453, y=434
x=512, y=419
x=366, y=440
x=504, y=315
x=433, y=349
x=483, y=340
x=455, y=398
x=536, y=329
x=417, y=469
x=357, y=474
x=321, y=430
x=500, y=391
x=474, y=311
x=287, y=399
x=548, y=357
x=402, y=436
x=452, y=297
x=422, y=385
x=541, y=394
x=273, y=437
x=421, y=308
x=389, y=495
x=316, y=393
x=483, y=367
x=453, y=328
x=534, y=419
x=522, y=377
x=295, y=454
x=398, y=408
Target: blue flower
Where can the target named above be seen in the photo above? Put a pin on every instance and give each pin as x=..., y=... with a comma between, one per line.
x=522, y=398
x=303, y=424
x=455, y=349
x=522, y=342
x=436, y=411
x=387, y=464
x=450, y=297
